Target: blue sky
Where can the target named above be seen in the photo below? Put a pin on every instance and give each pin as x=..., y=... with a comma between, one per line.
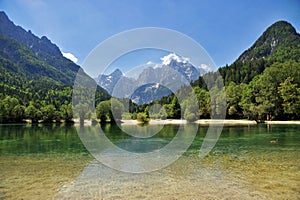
x=225, y=28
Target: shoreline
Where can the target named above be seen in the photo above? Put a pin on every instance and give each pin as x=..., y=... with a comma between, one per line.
x=282, y=122
x=176, y=121
x=200, y=121
x=226, y=121
x=207, y=122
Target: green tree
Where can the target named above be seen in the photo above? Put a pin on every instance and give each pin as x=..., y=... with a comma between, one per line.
x=49, y=113
x=191, y=108
x=257, y=99
x=203, y=98
x=110, y=110
x=233, y=97
x=11, y=110
x=66, y=112
x=142, y=117
x=290, y=93
x=19, y=113
x=82, y=111
x=117, y=108
x=103, y=111
x=33, y=113
x=218, y=102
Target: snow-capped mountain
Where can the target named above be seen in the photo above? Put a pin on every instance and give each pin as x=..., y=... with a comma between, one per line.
x=149, y=92
x=108, y=82
x=153, y=82
x=182, y=65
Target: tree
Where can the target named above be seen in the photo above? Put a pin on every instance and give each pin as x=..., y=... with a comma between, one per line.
x=290, y=93
x=82, y=111
x=66, y=112
x=191, y=108
x=142, y=117
x=33, y=113
x=233, y=97
x=218, y=102
x=103, y=111
x=19, y=113
x=257, y=98
x=203, y=98
x=110, y=110
x=117, y=108
x=173, y=109
x=11, y=110
x=49, y=113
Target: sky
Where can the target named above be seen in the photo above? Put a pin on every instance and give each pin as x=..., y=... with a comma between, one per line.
x=224, y=28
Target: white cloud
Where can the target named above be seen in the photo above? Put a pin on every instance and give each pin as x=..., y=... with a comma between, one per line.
x=205, y=67
x=149, y=63
x=70, y=57
x=154, y=65
x=172, y=56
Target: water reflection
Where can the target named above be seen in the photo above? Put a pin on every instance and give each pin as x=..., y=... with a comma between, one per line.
x=39, y=139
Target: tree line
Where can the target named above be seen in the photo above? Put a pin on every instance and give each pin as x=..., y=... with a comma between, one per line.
x=276, y=92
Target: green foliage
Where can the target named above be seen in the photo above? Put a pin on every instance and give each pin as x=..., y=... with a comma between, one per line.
x=36, y=81
x=203, y=99
x=261, y=95
x=191, y=108
x=290, y=94
x=265, y=79
x=233, y=97
x=66, y=112
x=103, y=111
x=49, y=113
x=33, y=113
x=142, y=117
x=110, y=110
x=190, y=117
x=171, y=109
x=82, y=111
x=11, y=110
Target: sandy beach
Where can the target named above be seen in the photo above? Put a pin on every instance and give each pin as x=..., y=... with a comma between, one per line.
x=201, y=122
x=282, y=122
x=226, y=121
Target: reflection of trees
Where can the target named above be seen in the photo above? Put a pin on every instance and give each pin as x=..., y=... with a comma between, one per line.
x=46, y=139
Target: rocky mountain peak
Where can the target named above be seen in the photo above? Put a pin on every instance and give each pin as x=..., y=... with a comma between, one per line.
x=38, y=45
x=281, y=34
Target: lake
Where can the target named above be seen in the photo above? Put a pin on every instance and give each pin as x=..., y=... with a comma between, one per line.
x=247, y=162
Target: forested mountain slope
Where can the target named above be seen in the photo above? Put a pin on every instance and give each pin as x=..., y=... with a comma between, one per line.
x=279, y=43
x=35, y=79
x=264, y=80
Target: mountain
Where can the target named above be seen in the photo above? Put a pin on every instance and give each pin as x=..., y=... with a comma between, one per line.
x=35, y=75
x=34, y=55
x=151, y=84
x=278, y=37
x=108, y=82
x=147, y=93
x=278, y=43
x=183, y=66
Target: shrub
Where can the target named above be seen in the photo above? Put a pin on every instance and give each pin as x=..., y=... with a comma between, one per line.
x=142, y=117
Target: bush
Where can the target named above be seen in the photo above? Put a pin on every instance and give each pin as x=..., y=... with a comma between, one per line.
x=142, y=117
x=190, y=117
